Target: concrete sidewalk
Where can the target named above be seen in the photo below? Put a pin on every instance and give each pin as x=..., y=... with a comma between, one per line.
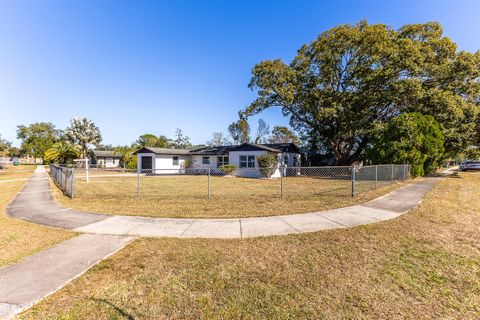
x=35, y=203
x=32, y=279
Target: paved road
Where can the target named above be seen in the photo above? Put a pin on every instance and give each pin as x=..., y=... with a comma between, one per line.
x=35, y=203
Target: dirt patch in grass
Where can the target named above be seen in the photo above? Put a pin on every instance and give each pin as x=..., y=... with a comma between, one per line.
x=19, y=239
x=422, y=265
x=187, y=196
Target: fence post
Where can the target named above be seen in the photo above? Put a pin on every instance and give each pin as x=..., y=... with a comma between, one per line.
x=72, y=188
x=209, y=183
x=281, y=181
x=66, y=178
x=376, y=176
x=391, y=177
x=138, y=182
x=353, y=180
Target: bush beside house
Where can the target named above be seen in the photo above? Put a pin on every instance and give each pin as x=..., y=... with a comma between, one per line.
x=227, y=169
x=267, y=164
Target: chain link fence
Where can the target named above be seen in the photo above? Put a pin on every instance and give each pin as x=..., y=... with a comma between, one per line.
x=64, y=178
x=249, y=183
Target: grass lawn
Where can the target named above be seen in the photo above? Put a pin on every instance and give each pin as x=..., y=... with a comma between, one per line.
x=19, y=239
x=422, y=265
x=187, y=196
x=20, y=172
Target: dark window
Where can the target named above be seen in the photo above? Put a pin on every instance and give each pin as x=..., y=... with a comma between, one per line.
x=222, y=160
x=175, y=160
x=247, y=161
x=147, y=163
x=205, y=160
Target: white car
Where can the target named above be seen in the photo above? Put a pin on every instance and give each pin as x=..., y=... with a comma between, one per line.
x=470, y=165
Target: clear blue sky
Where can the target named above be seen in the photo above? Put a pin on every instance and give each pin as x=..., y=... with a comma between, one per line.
x=152, y=66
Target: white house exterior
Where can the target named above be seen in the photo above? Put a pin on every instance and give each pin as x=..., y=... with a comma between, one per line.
x=104, y=159
x=243, y=157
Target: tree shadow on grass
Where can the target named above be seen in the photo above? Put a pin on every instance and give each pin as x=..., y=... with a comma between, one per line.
x=117, y=309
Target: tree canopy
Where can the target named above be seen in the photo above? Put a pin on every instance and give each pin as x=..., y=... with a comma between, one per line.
x=239, y=131
x=281, y=134
x=180, y=141
x=83, y=132
x=409, y=138
x=5, y=145
x=218, y=139
x=352, y=78
x=62, y=152
x=37, y=138
x=151, y=140
x=263, y=131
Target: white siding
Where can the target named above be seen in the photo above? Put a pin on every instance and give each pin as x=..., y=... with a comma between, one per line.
x=164, y=164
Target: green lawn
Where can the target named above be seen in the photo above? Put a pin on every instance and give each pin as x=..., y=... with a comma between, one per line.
x=187, y=196
x=422, y=265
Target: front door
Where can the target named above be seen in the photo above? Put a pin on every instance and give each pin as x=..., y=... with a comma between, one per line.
x=147, y=163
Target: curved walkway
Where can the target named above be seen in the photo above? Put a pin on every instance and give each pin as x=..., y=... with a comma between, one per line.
x=35, y=203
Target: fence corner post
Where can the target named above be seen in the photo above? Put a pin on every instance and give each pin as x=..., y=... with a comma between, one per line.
x=353, y=180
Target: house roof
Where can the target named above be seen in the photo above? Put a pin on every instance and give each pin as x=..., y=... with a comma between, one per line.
x=254, y=147
x=213, y=150
x=105, y=153
x=162, y=151
x=285, y=147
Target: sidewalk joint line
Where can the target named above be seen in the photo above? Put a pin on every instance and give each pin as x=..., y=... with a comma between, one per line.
x=298, y=231
x=341, y=224
x=186, y=228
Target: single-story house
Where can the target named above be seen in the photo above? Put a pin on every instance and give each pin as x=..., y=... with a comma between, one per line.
x=243, y=157
x=104, y=159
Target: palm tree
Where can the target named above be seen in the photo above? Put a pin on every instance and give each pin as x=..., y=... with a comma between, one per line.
x=125, y=154
x=62, y=152
x=83, y=132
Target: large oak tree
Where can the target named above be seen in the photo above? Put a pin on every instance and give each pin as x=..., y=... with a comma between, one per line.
x=354, y=78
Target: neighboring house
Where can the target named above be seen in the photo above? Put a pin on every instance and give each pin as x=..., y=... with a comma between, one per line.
x=104, y=159
x=244, y=157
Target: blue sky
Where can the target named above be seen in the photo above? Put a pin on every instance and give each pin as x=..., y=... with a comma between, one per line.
x=152, y=66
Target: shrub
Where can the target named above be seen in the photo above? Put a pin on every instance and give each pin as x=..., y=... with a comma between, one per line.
x=186, y=164
x=227, y=168
x=410, y=138
x=132, y=163
x=267, y=164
